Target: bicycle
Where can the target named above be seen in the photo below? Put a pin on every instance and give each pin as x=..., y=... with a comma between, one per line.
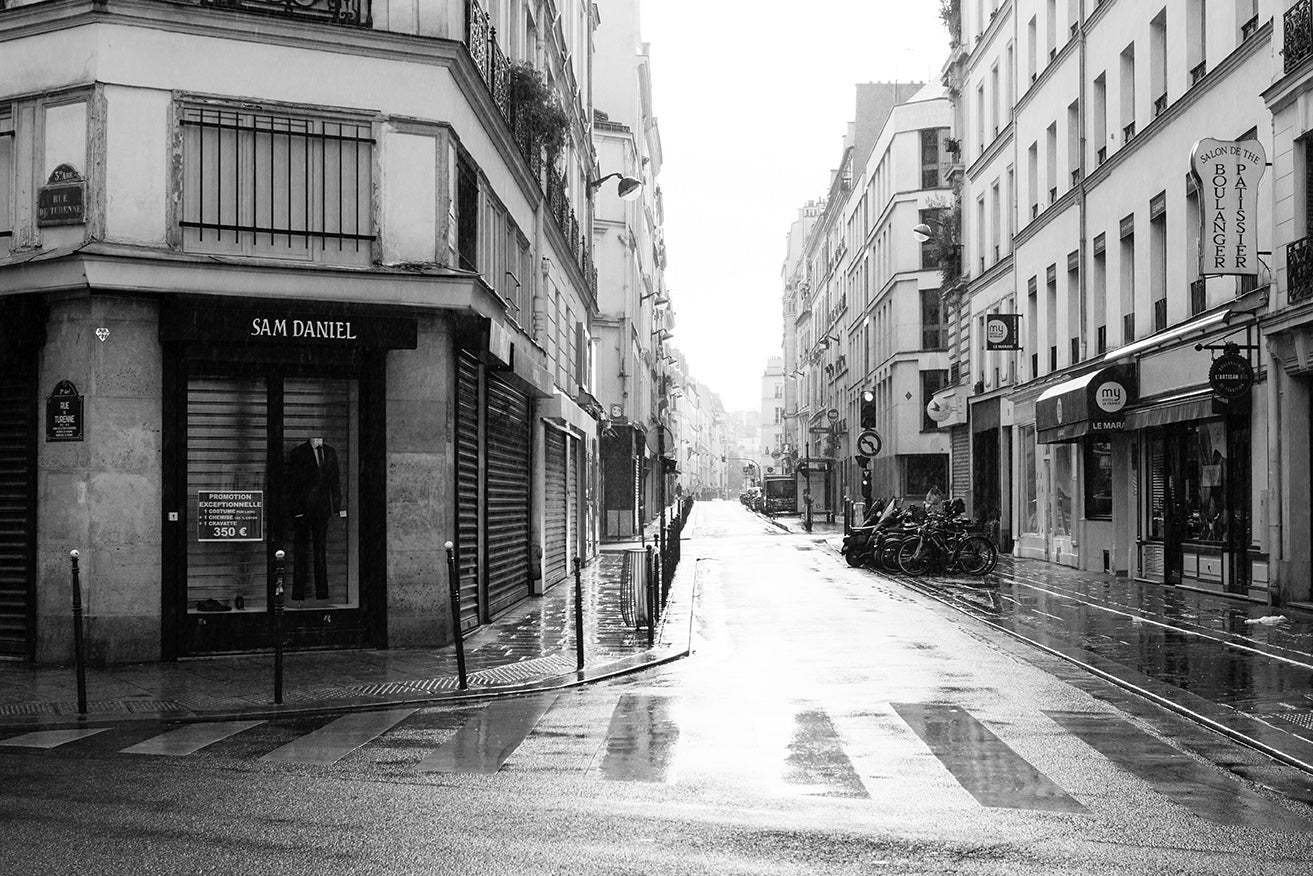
x=945, y=544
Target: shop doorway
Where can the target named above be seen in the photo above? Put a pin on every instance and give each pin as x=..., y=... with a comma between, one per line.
x=277, y=457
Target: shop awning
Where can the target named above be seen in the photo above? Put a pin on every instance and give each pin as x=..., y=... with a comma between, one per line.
x=1176, y=409
x=1091, y=402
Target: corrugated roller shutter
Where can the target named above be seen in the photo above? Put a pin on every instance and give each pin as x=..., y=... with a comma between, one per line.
x=556, y=525
x=961, y=438
x=467, y=486
x=507, y=494
x=572, y=498
x=17, y=522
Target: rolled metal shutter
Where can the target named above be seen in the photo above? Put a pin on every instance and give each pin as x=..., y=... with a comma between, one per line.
x=575, y=548
x=508, y=467
x=17, y=509
x=556, y=526
x=961, y=438
x=467, y=486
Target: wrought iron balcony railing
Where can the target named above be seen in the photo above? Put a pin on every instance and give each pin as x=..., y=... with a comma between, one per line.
x=349, y=12
x=1298, y=28
x=1249, y=28
x=1299, y=270
x=1198, y=296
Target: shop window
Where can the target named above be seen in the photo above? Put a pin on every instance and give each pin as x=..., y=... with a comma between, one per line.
x=1029, y=482
x=290, y=476
x=1098, y=480
x=1064, y=470
x=277, y=185
x=1157, y=492
x=1205, y=481
x=923, y=471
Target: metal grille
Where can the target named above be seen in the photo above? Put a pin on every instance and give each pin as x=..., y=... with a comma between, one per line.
x=1299, y=270
x=1298, y=30
x=255, y=182
x=351, y=12
x=556, y=527
x=507, y=491
x=467, y=486
x=6, y=172
x=17, y=520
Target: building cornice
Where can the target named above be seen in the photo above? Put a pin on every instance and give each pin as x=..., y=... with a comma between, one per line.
x=998, y=144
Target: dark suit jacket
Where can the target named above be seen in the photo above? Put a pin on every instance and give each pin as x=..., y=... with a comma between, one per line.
x=313, y=490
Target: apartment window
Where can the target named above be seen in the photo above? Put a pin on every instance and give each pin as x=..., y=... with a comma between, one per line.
x=1032, y=177
x=1196, y=38
x=1052, y=29
x=1128, y=92
x=1158, y=61
x=980, y=119
x=1126, y=276
x=923, y=471
x=1247, y=15
x=1051, y=301
x=1098, y=290
x=1051, y=160
x=1158, y=259
x=467, y=214
x=931, y=383
x=934, y=327
x=1032, y=323
x=1098, y=132
x=1073, y=304
x=1010, y=205
x=1073, y=142
x=6, y=180
x=282, y=185
x=1032, y=45
x=994, y=94
x=995, y=226
x=930, y=138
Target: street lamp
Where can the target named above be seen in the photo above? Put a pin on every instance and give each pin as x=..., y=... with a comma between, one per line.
x=628, y=188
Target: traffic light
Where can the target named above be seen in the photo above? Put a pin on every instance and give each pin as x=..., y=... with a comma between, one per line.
x=866, y=485
x=868, y=418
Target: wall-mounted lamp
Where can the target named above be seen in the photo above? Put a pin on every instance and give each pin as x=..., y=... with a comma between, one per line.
x=924, y=232
x=663, y=334
x=661, y=299
x=827, y=340
x=628, y=188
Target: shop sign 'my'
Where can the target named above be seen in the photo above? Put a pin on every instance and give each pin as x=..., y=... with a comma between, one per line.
x=1227, y=174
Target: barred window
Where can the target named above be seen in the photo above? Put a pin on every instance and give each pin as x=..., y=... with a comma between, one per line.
x=277, y=185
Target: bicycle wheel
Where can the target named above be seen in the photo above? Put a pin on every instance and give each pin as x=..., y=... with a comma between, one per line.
x=888, y=559
x=914, y=556
x=977, y=555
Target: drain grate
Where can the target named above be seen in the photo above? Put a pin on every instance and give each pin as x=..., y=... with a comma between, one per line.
x=94, y=706
x=1299, y=719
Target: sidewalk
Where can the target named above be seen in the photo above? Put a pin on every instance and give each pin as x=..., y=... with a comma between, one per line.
x=529, y=647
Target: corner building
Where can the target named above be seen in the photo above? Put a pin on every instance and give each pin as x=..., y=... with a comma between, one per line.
x=294, y=278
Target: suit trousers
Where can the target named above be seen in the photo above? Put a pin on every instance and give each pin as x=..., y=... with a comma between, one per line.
x=311, y=530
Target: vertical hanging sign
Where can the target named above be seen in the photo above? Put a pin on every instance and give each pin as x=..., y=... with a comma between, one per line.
x=1227, y=173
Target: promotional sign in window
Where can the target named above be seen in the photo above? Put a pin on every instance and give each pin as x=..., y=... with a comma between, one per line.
x=1001, y=331
x=1227, y=173
x=234, y=515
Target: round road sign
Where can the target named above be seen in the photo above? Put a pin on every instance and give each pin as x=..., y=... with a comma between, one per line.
x=868, y=443
x=833, y=415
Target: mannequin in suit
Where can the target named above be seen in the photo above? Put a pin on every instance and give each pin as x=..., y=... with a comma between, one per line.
x=314, y=497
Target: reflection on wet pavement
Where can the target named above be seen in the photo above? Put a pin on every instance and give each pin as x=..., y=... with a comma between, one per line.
x=1200, y=788
x=641, y=741
x=817, y=762
x=981, y=762
x=1196, y=642
x=488, y=738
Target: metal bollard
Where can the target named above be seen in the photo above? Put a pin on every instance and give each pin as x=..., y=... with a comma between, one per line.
x=79, y=650
x=578, y=615
x=847, y=516
x=649, y=585
x=807, y=524
x=279, y=556
x=453, y=581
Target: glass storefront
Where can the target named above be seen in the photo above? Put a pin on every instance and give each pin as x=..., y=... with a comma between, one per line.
x=1029, y=475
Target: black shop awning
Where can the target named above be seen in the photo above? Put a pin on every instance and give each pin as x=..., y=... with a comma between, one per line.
x=1094, y=402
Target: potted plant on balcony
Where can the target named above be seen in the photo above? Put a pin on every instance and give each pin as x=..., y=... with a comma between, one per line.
x=539, y=121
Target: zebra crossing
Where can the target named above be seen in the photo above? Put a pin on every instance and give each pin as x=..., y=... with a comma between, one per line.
x=645, y=737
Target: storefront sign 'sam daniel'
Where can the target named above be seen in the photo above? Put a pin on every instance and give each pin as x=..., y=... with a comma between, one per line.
x=1227, y=173
x=327, y=329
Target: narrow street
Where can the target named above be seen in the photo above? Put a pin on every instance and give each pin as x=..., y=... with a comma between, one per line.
x=828, y=720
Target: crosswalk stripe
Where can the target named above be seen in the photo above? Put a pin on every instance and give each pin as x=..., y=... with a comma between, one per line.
x=981, y=762
x=336, y=740
x=1208, y=793
x=641, y=741
x=51, y=738
x=489, y=738
x=191, y=738
x=817, y=761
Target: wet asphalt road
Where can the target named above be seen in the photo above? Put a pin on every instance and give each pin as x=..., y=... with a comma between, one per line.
x=829, y=721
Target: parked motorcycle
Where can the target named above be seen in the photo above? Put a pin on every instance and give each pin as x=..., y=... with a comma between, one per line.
x=857, y=543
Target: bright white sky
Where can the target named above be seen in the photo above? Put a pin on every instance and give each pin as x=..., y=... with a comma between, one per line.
x=753, y=98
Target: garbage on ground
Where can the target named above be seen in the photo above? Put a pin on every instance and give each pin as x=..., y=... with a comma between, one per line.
x=1268, y=621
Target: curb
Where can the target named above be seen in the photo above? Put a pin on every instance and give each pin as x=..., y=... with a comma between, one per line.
x=627, y=665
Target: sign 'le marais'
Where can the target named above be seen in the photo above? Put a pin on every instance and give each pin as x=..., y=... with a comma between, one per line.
x=1227, y=174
